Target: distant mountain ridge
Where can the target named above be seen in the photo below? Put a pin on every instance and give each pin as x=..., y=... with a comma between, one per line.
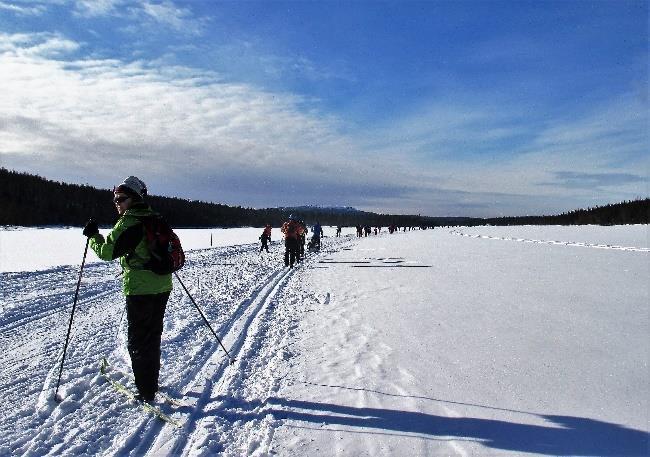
x=335, y=209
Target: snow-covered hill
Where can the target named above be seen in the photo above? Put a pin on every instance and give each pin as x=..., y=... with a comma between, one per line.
x=472, y=341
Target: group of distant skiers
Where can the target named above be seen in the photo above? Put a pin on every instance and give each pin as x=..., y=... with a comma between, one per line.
x=295, y=235
x=366, y=230
x=295, y=232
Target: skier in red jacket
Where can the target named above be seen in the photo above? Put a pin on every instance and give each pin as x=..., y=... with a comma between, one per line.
x=292, y=232
x=265, y=238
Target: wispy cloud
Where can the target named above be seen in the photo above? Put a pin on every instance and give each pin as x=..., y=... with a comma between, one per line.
x=22, y=9
x=171, y=120
x=502, y=155
x=254, y=129
x=143, y=15
x=573, y=180
x=612, y=132
x=96, y=8
x=194, y=135
x=167, y=13
x=43, y=45
x=454, y=130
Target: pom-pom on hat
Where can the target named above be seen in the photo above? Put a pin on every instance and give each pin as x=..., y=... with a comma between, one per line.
x=133, y=187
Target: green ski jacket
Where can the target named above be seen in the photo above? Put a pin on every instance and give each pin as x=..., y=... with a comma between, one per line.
x=127, y=242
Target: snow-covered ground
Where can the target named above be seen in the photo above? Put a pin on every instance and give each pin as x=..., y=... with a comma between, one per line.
x=458, y=341
x=30, y=249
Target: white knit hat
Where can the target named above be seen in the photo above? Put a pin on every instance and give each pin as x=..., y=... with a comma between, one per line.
x=132, y=185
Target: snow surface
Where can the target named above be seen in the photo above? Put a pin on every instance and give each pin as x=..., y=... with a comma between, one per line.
x=29, y=249
x=455, y=341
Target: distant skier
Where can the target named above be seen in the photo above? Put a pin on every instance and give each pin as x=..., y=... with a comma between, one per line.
x=146, y=292
x=315, y=241
x=338, y=231
x=302, y=239
x=265, y=238
x=291, y=230
x=317, y=234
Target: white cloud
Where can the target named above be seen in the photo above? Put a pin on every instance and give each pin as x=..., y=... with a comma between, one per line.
x=95, y=8
x=86, y=115
x=20, y=9
x=40, y=44
x=168, y=13
x=193, y=135
x=499, y=156
x=139, y=15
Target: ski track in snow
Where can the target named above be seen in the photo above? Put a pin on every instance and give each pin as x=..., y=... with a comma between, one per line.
x=553, y=242
x=194, y=367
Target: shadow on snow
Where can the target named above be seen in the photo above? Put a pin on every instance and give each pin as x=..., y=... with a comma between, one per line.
x=567, y=436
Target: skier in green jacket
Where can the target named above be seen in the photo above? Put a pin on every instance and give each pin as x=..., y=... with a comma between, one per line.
x=146, y=292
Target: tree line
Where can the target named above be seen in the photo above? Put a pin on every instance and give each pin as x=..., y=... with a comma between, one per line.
x=29, y=200
x=627, y=212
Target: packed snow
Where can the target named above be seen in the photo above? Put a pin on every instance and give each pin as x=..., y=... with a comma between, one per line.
x=454, y=341
x=30, y=249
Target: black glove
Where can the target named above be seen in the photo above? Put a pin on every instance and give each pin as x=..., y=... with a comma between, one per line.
x=91, y=228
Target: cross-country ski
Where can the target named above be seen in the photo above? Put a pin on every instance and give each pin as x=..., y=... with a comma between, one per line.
x=122, y=389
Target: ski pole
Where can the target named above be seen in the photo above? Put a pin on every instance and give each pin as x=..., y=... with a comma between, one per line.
x=232, y=360
x=67, y=338
x=120, y=323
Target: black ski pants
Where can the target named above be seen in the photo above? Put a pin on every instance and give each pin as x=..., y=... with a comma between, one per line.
x=265, y=243
x=292, y=252
x=301, y=247
x=145, y=316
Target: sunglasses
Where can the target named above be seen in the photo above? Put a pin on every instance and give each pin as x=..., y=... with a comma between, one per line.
x=121, y=199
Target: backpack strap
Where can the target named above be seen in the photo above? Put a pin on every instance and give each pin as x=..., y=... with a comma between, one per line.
x=138, y=233
x=128, y=240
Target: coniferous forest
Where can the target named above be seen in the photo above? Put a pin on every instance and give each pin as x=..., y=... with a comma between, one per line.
x=29, y=200
x=628, y=212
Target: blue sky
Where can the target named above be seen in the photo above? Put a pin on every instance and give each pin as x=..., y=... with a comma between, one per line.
x=461, y=108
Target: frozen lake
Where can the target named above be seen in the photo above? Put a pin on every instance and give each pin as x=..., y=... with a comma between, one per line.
x=457, y=341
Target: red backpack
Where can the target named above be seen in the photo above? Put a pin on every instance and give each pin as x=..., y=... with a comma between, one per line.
x=290, y=229
x=167, y=254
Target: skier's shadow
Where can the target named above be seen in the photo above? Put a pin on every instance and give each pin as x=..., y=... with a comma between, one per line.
x=565, y=435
